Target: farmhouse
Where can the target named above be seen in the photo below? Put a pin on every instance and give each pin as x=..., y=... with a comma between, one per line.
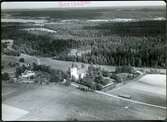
x=27, y=76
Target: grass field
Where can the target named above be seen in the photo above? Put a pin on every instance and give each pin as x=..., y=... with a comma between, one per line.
x=151, y=88
x=56, y=102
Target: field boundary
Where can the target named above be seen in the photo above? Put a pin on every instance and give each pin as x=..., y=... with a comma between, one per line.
x=129, y=100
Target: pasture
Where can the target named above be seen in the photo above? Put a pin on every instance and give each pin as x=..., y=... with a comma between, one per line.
x=150, y=88
x=56, y=102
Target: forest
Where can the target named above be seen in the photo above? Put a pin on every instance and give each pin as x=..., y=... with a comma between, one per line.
x=141, y=44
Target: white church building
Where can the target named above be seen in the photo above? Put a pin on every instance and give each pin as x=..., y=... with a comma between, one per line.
x=77, y=73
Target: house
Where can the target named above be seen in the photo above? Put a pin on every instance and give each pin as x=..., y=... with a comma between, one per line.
x=27, y=76
x=74, y=73
x=77, y=73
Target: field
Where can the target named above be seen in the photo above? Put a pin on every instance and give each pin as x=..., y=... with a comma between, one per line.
x=56, y=102
x=150, y=88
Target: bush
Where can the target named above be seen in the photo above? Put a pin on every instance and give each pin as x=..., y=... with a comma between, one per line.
x=4, y=45
x=43, y=68
x=12, y=64
x=67, y=83
x=98, y=79
x=89, y=82
x=57, y=76
x=105, y=73
x=35, y=67
x=21, y=60
x=124, y=69
x=2, y=66
x=5, y=76
x=82, y=66
x=72, y=119
x=117, y=79
x=154, y=71
x=20, y=70
x=105, y=82
x=11, y=52
x=94, y=72
x=99, y=86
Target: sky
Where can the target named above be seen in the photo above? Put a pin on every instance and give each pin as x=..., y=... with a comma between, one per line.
x=76, y=4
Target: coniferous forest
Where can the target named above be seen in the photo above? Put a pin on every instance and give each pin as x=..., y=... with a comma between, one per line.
x=139, y=43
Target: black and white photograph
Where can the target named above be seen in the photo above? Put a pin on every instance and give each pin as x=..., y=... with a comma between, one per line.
x=83, y=60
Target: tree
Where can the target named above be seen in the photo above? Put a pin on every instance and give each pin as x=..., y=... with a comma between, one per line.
x=98, y=79
x=117, y=79
x=82, y=66
x=105, y=82
x=89, y=82
x=105, y=73
x=57, y=76
x=19, y=70
x=67, y=83
x=2, y=66
x=99, y=86
x=21, y=60
x=12, y=64
x=124, y=69
x=5, y=76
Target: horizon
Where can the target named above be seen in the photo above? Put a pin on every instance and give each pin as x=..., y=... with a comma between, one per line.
x=80, y=4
